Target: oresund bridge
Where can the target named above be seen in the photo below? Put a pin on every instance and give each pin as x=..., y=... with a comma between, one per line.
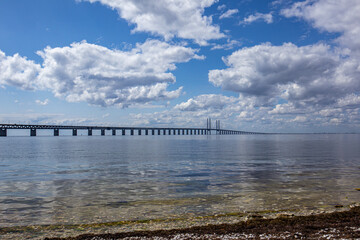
x=33, y=128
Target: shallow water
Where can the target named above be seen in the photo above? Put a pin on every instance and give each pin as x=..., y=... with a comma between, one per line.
x=69, y=180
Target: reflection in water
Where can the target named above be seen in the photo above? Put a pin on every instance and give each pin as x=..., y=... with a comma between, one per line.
x=50, y=180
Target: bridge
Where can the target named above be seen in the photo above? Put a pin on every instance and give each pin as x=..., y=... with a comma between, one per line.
x=130, y=130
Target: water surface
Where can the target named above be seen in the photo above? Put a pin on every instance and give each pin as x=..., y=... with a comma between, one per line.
x=66, y=180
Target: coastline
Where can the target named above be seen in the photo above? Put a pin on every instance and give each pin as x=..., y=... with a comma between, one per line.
x=342, y=222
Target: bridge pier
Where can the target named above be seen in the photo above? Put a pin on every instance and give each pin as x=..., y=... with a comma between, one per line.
x=114, y=132
x=187, y=131
x=153, y=131
x=174, y=131
x=56, y=132
x=146, y=132
x=179, y=131
x=33, y=132
x=132, y=132
x=169, y=131
x=3, y=132
x=74, y=132
x=139, y=132
x=102, y=132
x=89, y=132
x=159, y=132
x=123, y=132
x=164, y=132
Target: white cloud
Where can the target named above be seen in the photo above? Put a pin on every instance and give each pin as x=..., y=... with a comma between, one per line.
x=43, y=103
x=230, y=44
x=229, y=13
x=291, y=87
x=207, y=101
x=221, y=7
x=268, y=18
x=337, y=16
x=301, y=119
x=350, y=101
x=313, y=74
x=18, y=71
x=168, y=18
x=101, y=76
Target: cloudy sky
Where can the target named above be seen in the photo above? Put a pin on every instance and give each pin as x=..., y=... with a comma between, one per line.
x=269, y=65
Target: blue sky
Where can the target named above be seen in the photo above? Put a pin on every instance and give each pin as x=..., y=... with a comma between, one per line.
x=272, y=66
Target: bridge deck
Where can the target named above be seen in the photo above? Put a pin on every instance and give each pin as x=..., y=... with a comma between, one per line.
x=170, y=130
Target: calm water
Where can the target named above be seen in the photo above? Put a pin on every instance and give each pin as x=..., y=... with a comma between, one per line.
x=48, y=180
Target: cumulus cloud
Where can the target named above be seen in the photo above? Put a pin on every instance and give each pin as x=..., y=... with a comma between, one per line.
x=168, y=18
x=247, y=113
x=336, y=16
x=206, y=101
x=310, y=85
x=312, y=74
x=268, y=18
x=229, y=13
x=18, y=71
x=101, y=76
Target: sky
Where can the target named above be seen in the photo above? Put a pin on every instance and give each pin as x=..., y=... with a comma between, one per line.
x=255, y=65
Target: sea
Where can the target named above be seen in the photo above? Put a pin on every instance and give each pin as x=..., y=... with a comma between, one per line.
x=48, y=180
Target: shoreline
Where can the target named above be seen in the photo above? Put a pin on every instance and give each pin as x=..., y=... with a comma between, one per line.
x=342, y=221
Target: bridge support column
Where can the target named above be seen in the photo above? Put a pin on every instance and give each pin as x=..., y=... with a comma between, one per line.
x=132, y=132
x=89, y=132
x=169, y=131
x=3, y=132
x=195, y=132
x=114, y=132
x=102, y=132
x=33, y=132
x=164, y=132
x=74, y=132
x=153, y=131
x=56, y=132
x=183, y=132
x=178, y=131
x=159, y=132
x=146, y=132
x=139, y=132
x=187, y=131
x=191, y=132
x=174, y=131
x=123, y=132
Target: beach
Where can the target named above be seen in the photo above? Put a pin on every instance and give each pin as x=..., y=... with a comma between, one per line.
x=342, y=223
